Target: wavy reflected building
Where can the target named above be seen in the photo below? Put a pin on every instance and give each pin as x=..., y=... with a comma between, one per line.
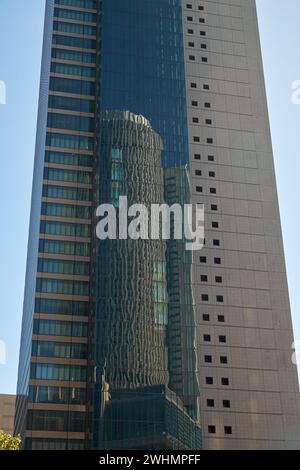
x=142, y=344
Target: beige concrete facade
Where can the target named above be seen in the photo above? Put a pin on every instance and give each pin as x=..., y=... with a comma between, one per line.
x=249, y=386
x=7, y=413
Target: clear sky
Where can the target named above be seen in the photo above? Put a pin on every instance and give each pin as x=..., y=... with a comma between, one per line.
x=21, y=27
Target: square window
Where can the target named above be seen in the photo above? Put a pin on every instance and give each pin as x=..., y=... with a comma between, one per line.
x=214, y=207
x=225, y=381
x=219, y=279
x=189, y=5
x=191, y=57
x=203, y=259
x=202, y=33
x=190, y=18
x=212, y=174
x=222, y=339
x=195, y=120
x=201, y=20
x=209, y=380
x=209, y=140
x=204, y=297
x=221, y=318
x=217, y=260
x=227, y=429
x=207, y=105
x=198, y=172
x=197, y=156
x=226, y=403
x=223, y=360
x=210, y=158
x=199, y=189
x=200, y=7
x=208, y=122
x=191, y=44
x=194, y=103
x=220, y=299
x=216, y=242
x=213, y=191
x=190, y=31
x=203, y=278
x=210, y=403
x=203, y=46
x=211, y=429
x=193, y=85
x=215, y=224
x=206, y=87
x=203, y=59
x=208, y=359
x=205, y=317
x=196, y=139
x=207, y=338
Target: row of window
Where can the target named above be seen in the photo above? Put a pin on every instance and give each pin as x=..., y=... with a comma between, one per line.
x=60, y=328
x=64, y=229
x=212, y=429
x=74, y=28
x=71, y=104
x=71, y=176
x=190, y=19
x=59, y=421
x=65, y=192
x=71, y=159
x=69, y=141
x=210, y=158
x=54, y=444
x=209, y=359
x=75, y=56
x=85, y=17
x=207, y=338
x=211, y=174
x=65, y=210
x=69, y=69
x=58, y=372
x=205, y=298
x=210, y=403
x=61, y=350
x=189, y=6
x=58, y=266
x=220, y=318
x=90, y=4
x=224, y=381
x=59, y=286
x=64, y=248
x=68, y=85
x=70, y=122
x=62, y=307
x=80, y=43
x=62, y=395
x=217, y=260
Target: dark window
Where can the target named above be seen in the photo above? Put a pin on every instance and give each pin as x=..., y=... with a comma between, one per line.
x=216, y=242
x=214, y=207
x=191, y=44
x=203, y=46
x=212, y=429
x=198, y=172
x=205, y=317
x=209, y=380
x=201, y=20
x=220, y=299
x=227, y=429
x=212, y=174
x=199, y=189
x=203, y=59
x=213, y=191
x=210, y=158
x=194, y=103
x=223, y=360
x=207, y=105
x=225, y=381
x=217, y=260
x=200, y=7
x=206, y=87
x=208, y=359
x=222, y=339
x=193, y=85
x=207, y=338
x=221, y=318
x=195, y=120
x=204, y=297
x=190, y=18
x=208, y=122
x=226, y=403
x=210, y=403
x=196, y=139
x=189, y=6
x=209, y=140
x=81, y=43
x=203, y=259
x=215, y=224
x=219, y=280
x=202, y=33
x=190, y=31
x=197, y=156
x=191, y=57
x=203, y=278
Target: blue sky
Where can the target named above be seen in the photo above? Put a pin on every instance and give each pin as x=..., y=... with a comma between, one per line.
x=21, y=27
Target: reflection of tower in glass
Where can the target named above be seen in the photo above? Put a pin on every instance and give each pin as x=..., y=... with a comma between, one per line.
x=138, y=410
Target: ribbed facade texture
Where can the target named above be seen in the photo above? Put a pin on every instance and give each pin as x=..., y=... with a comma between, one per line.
x=142, y=344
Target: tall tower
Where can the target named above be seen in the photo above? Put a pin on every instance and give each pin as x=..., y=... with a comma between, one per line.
x=159, y=101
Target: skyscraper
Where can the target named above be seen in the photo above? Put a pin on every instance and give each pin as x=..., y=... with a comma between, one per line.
x=141, y=343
